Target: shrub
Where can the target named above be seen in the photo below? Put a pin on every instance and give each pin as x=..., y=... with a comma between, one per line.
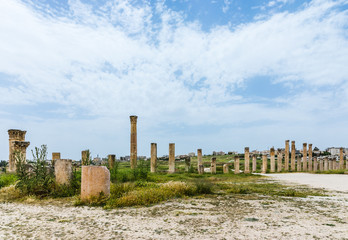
x=7, y=179
x=203, y=187
x=9, y=193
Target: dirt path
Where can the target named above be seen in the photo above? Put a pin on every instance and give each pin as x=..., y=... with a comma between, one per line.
x=222, y=217
x=336, y=182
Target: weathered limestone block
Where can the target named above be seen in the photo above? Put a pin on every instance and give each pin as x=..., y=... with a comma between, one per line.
x=264, y=164
x=304, y=161
x=213, y=165
x=17, y=145
x=63, y=171
x=298, y=163
x=171, y=160
x=272, y=153
x=133, y=142
x=153, y=157
x=326, y=163
x=111, y=160
x=310, y=156
x=94, y=180
x=246, y=160
x=315, y=164
x=341, y=165
x=280, y=159
x=55, y=156
x=200, y=166
x=286, y=156
x=254, y=163
x=236, y=164
x=293, y=152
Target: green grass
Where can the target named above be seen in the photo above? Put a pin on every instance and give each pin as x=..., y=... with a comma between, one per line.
x=7, y=179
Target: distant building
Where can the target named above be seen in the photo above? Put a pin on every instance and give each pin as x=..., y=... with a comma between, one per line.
x=191, y=154
x=221, y=153
x=333, y=151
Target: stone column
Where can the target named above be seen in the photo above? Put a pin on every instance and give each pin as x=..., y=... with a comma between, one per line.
x=187, y=163
x=298, y=164
x=304, y=161
x=236, y=164
x=326, y=164
x=264, y=164
x=286, y=156
x=341, y=166
x=55, y=156
x=94, y=180
x=133, y=142
x=111, y=160
x=254, y=163
x=171, y=160
x=225, y=168
x=315, y=164
x=293, y=152
x=272, y=153
x=213, y=165
x=280, y=159
x=17, y=145
x=246, y=160
x=200, y=166
x=153, y=157
x=63, y=171
x=310, y=156
x=321, y=164
x=330, y=164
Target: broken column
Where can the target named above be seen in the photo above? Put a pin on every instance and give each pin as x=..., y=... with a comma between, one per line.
x=111, y=160
x=286, y=156
x=293, y=152
x=236, y=164
x=310, y=156
x=17, y=146
x=280, y=159
x=326, y=163
x=298, y=163
x=225, y=168
x=272, y=153
x=153, y=157
x=213, y=165
x=246, y=160
x=200, y=166
x=171, y=160
x=95, y=180
x=304, y=161
x=63, y=171
x=85, y=157
x=187, y=163
x=133, y=142
x=254, y=163
x=330, y=164
x=264, y=164
x=341, y=165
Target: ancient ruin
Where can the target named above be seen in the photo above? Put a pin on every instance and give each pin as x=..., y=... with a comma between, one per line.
x=111, y=160
x=304, y=159
x=246, y=160
x=286, y=156
x=264, y=163
x=153, y=157
x=213, y=165
x=63, y=171
x=293, y=152
x=236, y=164
x=171, y=160
x=95, y=180
x=133, y=142
x=17, y=146
x=254, y=158
x=272, y=153
x=341, y=164
x=200, y=166
x=310, y=156
x=280, y=159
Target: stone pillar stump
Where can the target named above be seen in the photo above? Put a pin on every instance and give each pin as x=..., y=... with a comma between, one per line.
x=94, y=180
x=63, y=171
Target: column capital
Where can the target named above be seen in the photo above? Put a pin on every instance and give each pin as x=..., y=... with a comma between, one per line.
x=133, y=118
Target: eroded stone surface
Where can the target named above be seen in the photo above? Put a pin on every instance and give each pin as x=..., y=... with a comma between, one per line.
x=63, y=171
x=94, y=180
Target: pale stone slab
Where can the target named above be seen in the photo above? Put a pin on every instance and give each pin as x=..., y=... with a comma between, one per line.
x=63, y=171
x=94, y=180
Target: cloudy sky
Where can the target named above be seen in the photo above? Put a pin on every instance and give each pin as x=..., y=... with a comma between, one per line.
x=210, y=74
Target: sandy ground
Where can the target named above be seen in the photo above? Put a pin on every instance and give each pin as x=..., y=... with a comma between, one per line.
x=336, y=182
x=221, y=217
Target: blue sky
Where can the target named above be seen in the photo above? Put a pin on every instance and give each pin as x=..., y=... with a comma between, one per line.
x=216, y=75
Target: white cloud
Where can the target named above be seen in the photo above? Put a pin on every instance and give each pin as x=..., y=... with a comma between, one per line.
x=117, y=60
